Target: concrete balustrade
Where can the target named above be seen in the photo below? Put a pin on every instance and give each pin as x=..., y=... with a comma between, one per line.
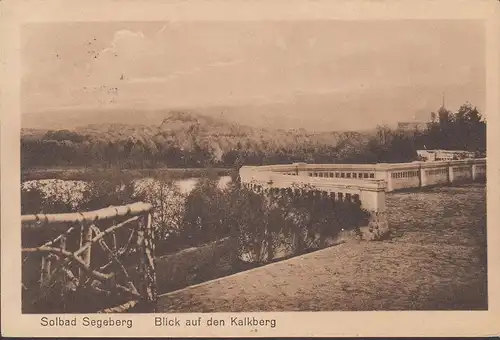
x=434, y=173
x=370, y=193
x=364, y=180
x=400, y=175
x=320, y=180
x=479, y=169
x=364, y=183
x=396, y=175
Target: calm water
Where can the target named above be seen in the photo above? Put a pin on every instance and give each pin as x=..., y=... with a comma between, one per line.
x=186, y=185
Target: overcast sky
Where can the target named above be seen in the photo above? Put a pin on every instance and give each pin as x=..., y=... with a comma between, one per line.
x=197, y=64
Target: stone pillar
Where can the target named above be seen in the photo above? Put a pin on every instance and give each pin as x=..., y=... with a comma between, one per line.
x=423, y=176
x=480, y=169
x=382, y=173
x=451, y=177
x=373, y=200
x=470, y=163
x=474, y=170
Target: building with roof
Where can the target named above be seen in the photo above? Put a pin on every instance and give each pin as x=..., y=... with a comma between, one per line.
x=444, y=155
x=413, y=126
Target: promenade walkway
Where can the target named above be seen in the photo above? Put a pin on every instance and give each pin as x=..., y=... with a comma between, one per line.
x=435, y=260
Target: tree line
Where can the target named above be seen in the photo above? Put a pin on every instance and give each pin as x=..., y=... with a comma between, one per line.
x=464, y=129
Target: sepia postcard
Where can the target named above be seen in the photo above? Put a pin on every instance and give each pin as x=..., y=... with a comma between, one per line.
x=250, y=168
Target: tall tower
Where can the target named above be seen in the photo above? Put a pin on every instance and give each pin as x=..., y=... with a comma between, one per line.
x=443, y=114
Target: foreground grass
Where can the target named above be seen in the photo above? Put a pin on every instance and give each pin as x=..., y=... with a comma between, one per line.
x=435, y=260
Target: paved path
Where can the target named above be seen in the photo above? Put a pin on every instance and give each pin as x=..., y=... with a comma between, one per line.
x=434, y=261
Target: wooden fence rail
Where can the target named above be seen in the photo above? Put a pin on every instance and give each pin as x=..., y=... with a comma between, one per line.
x=117, y=275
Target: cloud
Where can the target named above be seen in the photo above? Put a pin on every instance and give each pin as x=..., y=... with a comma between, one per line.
x=123, y=55
x=162, y=29
x=189, y=72
x=124, y=40
x=225, y=63
x=148, y=80
x=147, y=59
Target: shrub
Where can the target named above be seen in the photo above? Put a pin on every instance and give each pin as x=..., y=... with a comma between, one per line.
x=262, y=225
x=168, y=210
x=51, y=196
x=247, y=219
x=204, y=219
x=108, y=190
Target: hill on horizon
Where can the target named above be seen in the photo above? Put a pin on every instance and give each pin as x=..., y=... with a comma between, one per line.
x=189, y=132
x=316, y=112
x=72, y=119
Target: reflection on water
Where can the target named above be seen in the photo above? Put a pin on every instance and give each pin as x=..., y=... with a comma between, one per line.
x=186, y=185
x=74, y=189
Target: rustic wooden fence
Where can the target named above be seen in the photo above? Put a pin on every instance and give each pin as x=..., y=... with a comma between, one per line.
x=97, y=261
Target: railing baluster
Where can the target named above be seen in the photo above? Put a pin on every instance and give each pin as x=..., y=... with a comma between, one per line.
x=62, y=245
x=151, y=254
x=147, y=270
x=86, y=238
x=45, y=270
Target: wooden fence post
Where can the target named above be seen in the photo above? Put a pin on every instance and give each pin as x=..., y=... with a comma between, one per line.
x=45, y=270
x=147, y=270
x=85, y=238
x=46, y=267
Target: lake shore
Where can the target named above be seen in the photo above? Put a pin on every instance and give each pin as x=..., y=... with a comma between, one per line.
x=87, y=174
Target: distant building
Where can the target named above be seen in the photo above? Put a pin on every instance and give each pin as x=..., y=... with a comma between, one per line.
x=444, y=155
x=413, y=126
